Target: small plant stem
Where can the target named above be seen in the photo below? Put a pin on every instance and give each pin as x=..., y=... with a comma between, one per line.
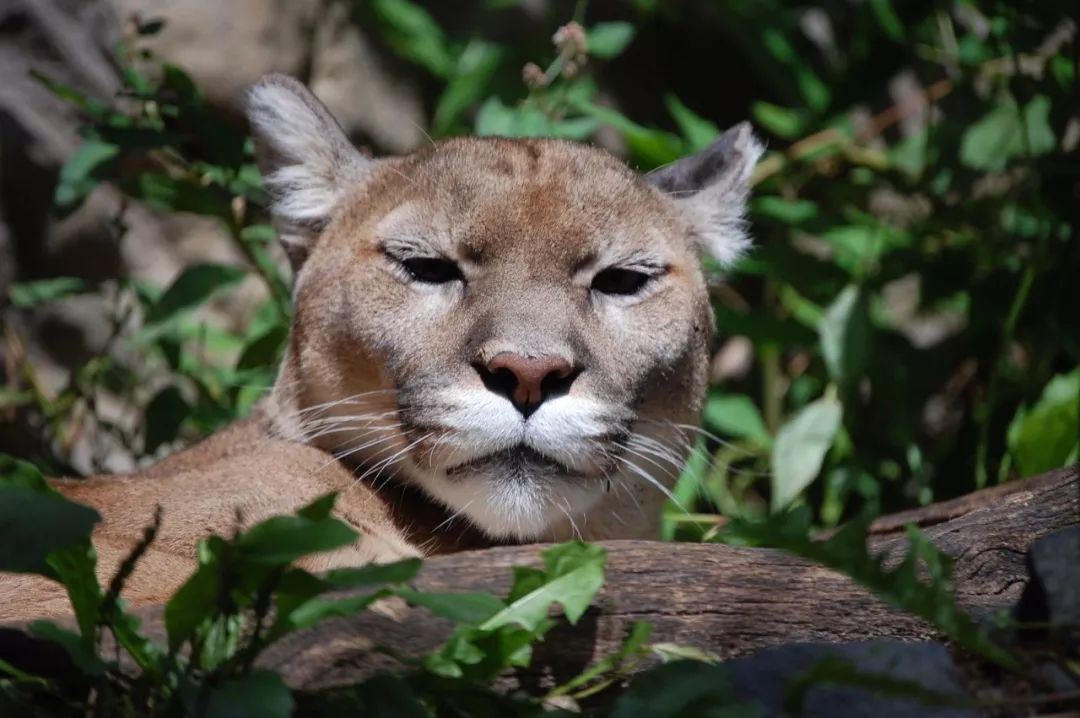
x=772, y=379
x=279, y=293
x=982, y=471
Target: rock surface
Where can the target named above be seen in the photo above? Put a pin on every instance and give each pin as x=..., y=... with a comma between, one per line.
x=767, y=677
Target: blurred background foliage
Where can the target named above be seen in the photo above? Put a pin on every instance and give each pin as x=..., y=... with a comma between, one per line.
x=905, y=330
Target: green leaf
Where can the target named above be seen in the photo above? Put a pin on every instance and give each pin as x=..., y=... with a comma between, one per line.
x=280, y=540
x=496, y=119
x=16, y=472
x=388, y=696
x=736, y=415
x=300, y=603
x=196, y=600
x=193, y=287
x=473, y=72
x=414, y=35
x=682, y=688
x=1046, y=436
x=35, y=522
x=780, y=121
x=845, y=333
x=860, y=249
x=697, y=131
x=259, y=694
x=165, y=414
x=1007, y=132
x=800, y=448
x=264, y=350
x=83, y=172
x=469, y=608
x=43, y=291
x=814, y=92
x=173, y=194
x=609, y=39
x=649, y=147
x=82, y=656
x=75, y=567
x=887, y=19
x=575, y=572
x=785, y=211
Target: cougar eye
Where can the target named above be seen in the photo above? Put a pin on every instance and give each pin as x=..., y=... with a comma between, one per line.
x=433, y=270
x=620, y=281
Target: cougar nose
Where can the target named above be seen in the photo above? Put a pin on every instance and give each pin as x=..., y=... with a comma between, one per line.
x=526, y=381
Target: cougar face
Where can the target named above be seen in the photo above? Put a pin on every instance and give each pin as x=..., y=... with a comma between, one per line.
x=520, y=328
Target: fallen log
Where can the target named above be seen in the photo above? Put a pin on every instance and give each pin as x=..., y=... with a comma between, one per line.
x=726, y=600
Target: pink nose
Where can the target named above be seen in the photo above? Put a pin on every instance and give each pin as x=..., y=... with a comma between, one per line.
x=527, y=381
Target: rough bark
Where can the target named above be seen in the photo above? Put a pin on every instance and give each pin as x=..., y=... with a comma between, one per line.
x=726, y=600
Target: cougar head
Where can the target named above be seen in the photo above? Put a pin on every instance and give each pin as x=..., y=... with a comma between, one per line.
x=520, y=328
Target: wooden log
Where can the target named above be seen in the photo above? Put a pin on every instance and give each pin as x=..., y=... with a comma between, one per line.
x=727, y=600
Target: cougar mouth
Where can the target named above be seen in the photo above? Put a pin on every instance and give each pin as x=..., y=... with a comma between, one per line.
x=518, y=461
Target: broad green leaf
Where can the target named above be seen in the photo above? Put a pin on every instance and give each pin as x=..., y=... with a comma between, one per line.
x=35, y=522
x=861, y=248
x=470, y=608
x=43, y=291
x=166, y=193
x=471, y=80
x=16, y=472
x=75, y=567
x=649, y=147
x=1046, y=436
x=264, y=350
x=283, y=539
x=165, y=414
x=374, y=574
x=780, y=121
x=800, y=448
x=194, y=286
x=259, y=694
x=300, y=602
x=682, y=688
x=495, y=118
x=845, y=333
x=786, y=211
x=83, y=172
x=1007, y=132
x=93, y=108
x=814, y=92
x=608, y=39
x=83, y=656
x=575, y=572
x=575, y=128
x=699, y=132
x=887, y=19
x=197, y=599
x=385, y=695
x=414, y=35
x=13, y=398
x=736, y=415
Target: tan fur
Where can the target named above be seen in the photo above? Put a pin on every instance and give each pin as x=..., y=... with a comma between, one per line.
x=383, y=395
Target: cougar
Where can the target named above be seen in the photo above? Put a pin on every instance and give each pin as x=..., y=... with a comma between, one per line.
x=494, y=340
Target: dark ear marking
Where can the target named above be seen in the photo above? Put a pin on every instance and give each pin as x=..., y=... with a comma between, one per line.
x=711, y=188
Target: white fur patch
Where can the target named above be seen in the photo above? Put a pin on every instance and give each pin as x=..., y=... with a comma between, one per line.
x=307, y=162
x=482, y=423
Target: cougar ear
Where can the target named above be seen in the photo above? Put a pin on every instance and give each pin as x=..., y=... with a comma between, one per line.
x=305, y=159
x=711, y=188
